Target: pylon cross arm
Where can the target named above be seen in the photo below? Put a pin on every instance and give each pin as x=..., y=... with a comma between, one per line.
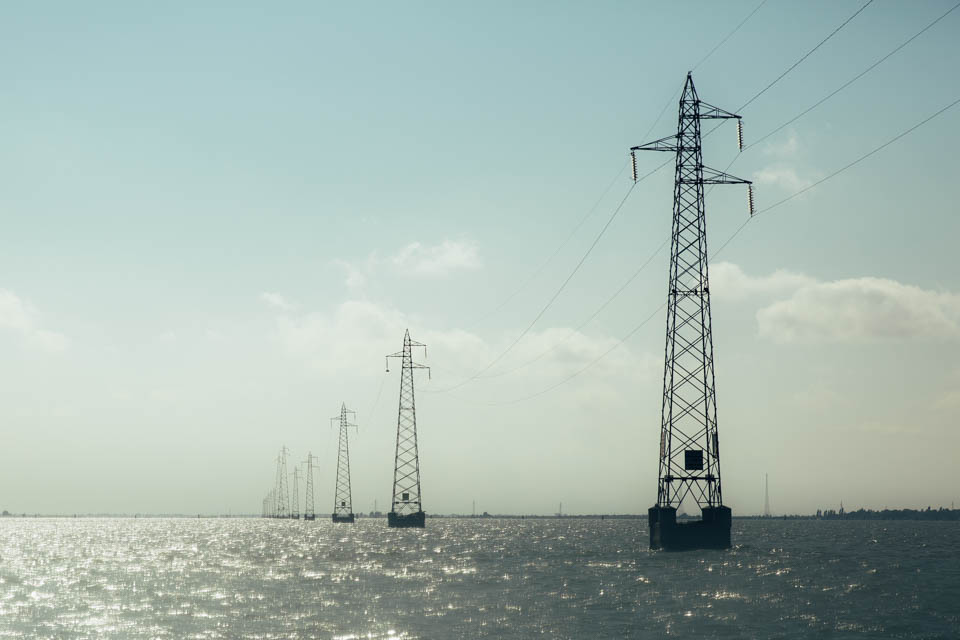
x=663, y=144
x=712, y=176
x=710, y=112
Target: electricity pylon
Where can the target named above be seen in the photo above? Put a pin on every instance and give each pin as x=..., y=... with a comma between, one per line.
x=270, y=507
x=343, y=501
x=309, y=509
x=295, y=504
x=689, y=444
x=407, y=509
x=283, y=498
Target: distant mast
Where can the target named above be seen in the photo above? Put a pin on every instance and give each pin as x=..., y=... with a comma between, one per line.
x=766, y=495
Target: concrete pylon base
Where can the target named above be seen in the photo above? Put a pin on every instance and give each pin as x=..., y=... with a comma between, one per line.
x=711, y=532
x=418, y=519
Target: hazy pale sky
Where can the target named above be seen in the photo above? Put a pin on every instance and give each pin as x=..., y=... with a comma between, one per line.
x=218, y=219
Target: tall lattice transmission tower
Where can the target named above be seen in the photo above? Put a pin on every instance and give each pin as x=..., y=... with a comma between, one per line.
x=689, y=443
x=343, y=500
x=407, y=509
x=295, y=502
x=309, y=508
x=282, y=507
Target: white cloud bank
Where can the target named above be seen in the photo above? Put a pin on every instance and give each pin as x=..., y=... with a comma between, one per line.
x=415, y=260
x=19, y=316
x=861, y=309
x=729, y=282
x=847, y=310
x=276, y=301
x=440, y=260
x=357, y=334
x=782, y=172
x=783, y=177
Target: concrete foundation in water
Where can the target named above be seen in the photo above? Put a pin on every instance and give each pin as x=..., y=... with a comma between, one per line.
x=418, y=519
x=346, y=518
x=711, y=532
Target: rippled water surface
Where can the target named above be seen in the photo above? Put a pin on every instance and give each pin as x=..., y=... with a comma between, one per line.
x=181, y=578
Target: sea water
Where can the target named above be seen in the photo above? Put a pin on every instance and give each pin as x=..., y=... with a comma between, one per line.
x=473, y=578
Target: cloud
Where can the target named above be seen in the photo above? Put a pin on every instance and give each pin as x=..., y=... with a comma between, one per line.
x=357, y=334
x=359, y=273
x=277, y=301
x=440, y=260
x=19, y=316
x=414, y=260
x=846, y=310
x=729, y=282
x=787, y=149
x=861, y=309
x=781, y=176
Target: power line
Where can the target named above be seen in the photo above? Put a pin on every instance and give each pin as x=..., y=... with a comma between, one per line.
x=794, y=65
x=577, y=227
x=738, y=230
x=556, y=294
x=824, y=99
x=556, y=252
x=806, y=55
x=588, y=320
x=861, y=158
x=591, y=364
x=851, y=81
x=757, y=95
x=376, y=402
x=728, y=36
x=702, y=60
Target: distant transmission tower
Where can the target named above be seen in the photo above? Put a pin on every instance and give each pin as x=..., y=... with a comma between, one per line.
x=272, y=503
x=309, y=509
x=283, y=497
x=343, y=501
x=407, y=510
x=766, y=495
x=295, y=503
x=689, y=445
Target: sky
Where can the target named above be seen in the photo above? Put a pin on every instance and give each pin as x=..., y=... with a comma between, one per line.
x=218, y=218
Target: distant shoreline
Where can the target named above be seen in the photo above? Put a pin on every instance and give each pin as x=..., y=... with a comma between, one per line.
x=928, y=514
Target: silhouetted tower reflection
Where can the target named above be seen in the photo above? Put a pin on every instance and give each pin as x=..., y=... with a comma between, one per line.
x=407, y=510
x=689, y=442
x=343, y=500
x=309, y=508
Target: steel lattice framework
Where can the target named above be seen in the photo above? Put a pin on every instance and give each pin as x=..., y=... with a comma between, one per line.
x=406, y=470
x=295, y=502
x=282, y=501
x=343, y=500
x=309, y=508
x=689, y=443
